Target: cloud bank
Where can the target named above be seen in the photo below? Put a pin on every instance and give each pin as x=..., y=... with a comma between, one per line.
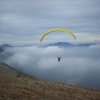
x=77, y=63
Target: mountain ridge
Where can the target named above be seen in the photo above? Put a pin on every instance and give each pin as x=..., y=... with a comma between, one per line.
x=66, y=44
x=1, y=50
x=9, y=69
x=25, y=88
x=59, y=44
x=5, y=46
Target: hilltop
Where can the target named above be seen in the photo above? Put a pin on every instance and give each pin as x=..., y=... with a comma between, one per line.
x=25, y=88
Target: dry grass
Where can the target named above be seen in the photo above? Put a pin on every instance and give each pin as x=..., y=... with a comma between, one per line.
x=23, y=88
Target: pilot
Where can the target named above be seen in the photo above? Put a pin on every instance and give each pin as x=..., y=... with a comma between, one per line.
x=59, y=58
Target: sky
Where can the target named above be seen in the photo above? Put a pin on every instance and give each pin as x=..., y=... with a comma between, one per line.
x=24, y=22
x=78, y=65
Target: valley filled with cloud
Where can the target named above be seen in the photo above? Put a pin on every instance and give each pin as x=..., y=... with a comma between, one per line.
x=78, y=66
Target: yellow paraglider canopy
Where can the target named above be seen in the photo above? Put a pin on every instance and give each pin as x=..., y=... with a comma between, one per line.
x=57, y=30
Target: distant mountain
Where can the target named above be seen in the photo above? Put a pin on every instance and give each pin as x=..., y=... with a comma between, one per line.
x=5, y=46
x=85, y=44
x=60, y=44
x=1, y=50
x=66, y=44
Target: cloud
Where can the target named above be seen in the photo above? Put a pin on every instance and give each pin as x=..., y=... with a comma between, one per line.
x=32, y=19
x=43, y=64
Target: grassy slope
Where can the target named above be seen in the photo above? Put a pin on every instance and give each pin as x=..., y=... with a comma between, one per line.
x=23, y=88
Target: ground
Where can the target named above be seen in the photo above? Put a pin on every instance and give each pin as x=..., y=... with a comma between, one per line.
x=24, y=88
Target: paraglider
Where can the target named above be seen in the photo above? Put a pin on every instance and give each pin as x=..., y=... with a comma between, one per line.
x=59, y=58
x=57, y=30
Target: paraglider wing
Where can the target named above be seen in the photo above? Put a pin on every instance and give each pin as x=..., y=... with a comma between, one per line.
x=57, y=30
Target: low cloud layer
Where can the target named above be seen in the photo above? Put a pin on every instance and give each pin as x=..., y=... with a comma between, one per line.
x=43, y=64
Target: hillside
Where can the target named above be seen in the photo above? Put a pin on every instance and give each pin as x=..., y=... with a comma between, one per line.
x=1, y=50
x=24, y=88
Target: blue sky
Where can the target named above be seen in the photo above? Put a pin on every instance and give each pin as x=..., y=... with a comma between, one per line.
x=24, y=22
